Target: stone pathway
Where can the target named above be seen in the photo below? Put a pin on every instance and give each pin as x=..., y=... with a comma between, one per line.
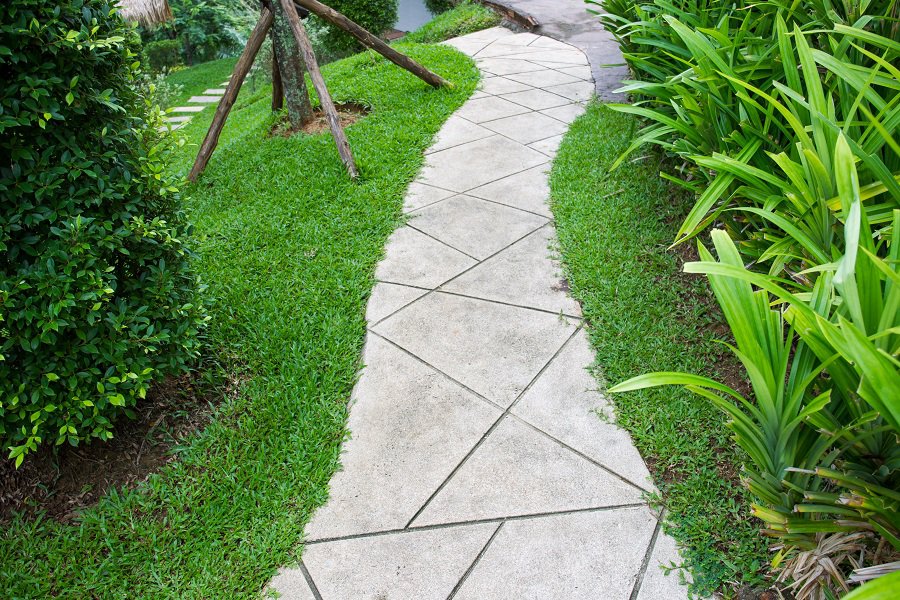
x=174, y=120
x=482, y=462
x=569, y=21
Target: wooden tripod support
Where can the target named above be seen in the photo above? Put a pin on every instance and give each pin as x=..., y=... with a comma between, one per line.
x=254, y=43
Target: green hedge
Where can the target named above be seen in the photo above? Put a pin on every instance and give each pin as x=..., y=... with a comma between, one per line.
x=377, y=16
x=97, y=297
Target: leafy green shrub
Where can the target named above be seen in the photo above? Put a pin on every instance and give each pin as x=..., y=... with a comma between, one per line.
x=163, y=55
x=465, y=18
x=206, y=29
x=784, y=122
x=97, y=298
x=376, y=16
x=158, y=90
x=438, y=6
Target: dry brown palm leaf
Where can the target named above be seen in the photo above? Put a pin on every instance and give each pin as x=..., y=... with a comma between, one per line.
x=145, y=12
x=814, y=571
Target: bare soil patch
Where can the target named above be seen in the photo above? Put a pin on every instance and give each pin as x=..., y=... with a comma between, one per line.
x=62, y=480
x=349, y=113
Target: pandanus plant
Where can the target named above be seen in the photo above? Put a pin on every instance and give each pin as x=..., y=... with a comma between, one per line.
x=821, y=429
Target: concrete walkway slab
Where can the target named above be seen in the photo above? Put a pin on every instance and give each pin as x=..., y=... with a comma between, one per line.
x=476, y=227
x=517, y=471
x=414, y=565
x=478, y=465
x=493, y=349
x=583, y=556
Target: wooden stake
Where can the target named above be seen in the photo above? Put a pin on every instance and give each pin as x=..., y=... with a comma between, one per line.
x=312, y=65
x=373, y=42
x=231, y=91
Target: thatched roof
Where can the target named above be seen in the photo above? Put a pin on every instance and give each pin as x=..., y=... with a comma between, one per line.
x=145, y=12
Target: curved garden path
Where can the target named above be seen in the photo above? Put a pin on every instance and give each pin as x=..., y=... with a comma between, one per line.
x=477, y=466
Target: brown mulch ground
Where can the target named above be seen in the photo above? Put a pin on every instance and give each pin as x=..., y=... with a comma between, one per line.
x=349, y=114
x=62, y=480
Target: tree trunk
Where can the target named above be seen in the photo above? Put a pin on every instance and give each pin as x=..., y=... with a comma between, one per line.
x=292, y=68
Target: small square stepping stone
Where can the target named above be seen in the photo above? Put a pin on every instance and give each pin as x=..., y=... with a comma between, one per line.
x=212, y=91
x=204, y=99
x=187, y=109
x=178, y=119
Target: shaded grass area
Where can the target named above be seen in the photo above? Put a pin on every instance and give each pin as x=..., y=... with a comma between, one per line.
x=467, y=17
x=288, y=246
x=200, y=77
x=645, y=315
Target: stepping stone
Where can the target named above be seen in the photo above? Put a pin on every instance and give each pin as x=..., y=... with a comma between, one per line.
x=178, y=119
x=457, y=131
x=424, y=565
x=413, y=258
x=411, y=426
x=582, y=556
x=204, y=99
x=658, y=584
x=564, y=402
x=537, y=99
x=526, y=190
x=493, y=349
x=387, y=298
x=523, y=276
x=187, y=109
x=214, y=91
x=480, y=110
x=528, y=128
x=518, y=471
x=474, y=164
x=476, y=227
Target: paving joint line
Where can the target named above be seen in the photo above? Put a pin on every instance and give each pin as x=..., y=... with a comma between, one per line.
x=309, y=581
x=485, y=521
x=475, y=562
x=556, y=313
x=441, y=241
x=460, y=274
x=639, y=580
x=491, y=429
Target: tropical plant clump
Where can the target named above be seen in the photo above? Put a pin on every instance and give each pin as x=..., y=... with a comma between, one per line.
x=377, y=16
x=97, y=295
x=782, y=120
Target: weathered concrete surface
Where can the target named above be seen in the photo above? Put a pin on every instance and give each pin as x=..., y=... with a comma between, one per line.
x=569, y=21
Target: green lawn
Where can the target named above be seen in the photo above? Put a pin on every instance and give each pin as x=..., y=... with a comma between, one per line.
x=644, y=315
x=200, y=77
x=467, y=17
x=287, y=245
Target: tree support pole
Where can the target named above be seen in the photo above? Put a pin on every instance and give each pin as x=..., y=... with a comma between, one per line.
x=254, y=43
x=277, y=86
x=374, y=42
x=334, y=121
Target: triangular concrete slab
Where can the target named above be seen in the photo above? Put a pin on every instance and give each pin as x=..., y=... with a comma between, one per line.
x=409, y=426
x=387, y=298
x=582, y=556
x=413, y=258
x=520, y=275
x=420, y=565
x=493, y=349
x=518, y=471
x=564, y=402
x=526, y=190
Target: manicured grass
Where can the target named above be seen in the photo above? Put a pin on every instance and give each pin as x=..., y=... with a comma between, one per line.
x=467, y=17
x=644, y=315
x=200, y=77
x=288, y=246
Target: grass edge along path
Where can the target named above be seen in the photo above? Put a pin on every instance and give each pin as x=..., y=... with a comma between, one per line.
x=288, y=246
x=644, y=315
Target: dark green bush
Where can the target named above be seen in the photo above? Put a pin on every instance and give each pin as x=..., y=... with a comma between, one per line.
x=97, y=298
x=163, y=55
x=376, y=16
x=207, y=29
